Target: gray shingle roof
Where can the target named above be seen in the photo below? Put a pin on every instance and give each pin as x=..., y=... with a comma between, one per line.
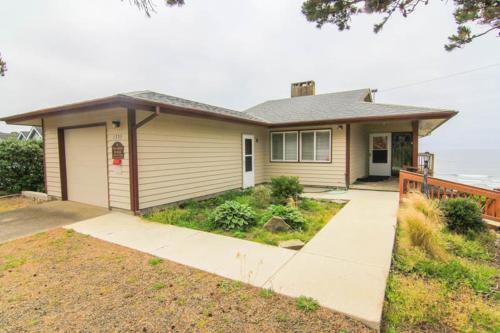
x=333, y=106
x=152, y=96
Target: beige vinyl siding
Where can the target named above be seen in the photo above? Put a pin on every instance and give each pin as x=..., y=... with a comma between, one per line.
x=390, y=126
x=313, y=173
x=358, y=152
x=118, y=176
x=181, y=158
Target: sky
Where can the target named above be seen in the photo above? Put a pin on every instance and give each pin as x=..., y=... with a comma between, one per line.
x=238, y=53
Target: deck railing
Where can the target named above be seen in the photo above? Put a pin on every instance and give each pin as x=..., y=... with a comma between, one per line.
x=441, y=189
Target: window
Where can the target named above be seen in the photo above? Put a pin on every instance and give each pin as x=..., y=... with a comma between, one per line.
x=284, y=146
x=315, y=146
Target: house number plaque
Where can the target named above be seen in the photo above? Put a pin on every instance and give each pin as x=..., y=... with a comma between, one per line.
x=117, y=151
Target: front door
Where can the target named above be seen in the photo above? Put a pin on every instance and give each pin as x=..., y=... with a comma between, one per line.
x=248, y=161
x=380, y=154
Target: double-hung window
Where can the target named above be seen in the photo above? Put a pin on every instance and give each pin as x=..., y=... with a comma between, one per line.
x=284, y=146
x=315, y=146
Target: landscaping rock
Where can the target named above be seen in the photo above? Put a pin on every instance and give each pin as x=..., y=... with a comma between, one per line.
x=292, y=244
x=276, y=224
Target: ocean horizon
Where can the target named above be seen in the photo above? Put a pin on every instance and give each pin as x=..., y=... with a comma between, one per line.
x=476, y=167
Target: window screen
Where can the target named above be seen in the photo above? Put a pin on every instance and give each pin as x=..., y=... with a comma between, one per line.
x=284, y=146
x=315, y=146
x=277, y=146
x=307, y=146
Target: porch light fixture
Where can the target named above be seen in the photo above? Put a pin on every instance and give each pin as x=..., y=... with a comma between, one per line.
x=116, y=123
x=340, y=127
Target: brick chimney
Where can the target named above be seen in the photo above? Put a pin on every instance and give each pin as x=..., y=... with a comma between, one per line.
x=305, y=88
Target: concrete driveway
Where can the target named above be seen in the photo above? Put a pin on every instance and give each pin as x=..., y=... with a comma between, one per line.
x=46, y=216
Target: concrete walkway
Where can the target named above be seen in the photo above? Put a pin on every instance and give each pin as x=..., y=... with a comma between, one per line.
x=344, y=267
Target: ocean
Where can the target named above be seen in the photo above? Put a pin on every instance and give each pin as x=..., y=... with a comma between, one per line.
x=476, y=167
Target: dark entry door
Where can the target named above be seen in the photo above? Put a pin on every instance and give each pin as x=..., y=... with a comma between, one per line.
x=401, y=151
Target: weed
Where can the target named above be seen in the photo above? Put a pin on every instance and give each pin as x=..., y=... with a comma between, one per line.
x=266, y=293
x=70, y=233
x=282, y=317
x=158, y=285
x=11, y=262
x=155, y=261
x=306, y=304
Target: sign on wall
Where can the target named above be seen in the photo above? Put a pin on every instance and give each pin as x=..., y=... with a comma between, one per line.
x=117, y=151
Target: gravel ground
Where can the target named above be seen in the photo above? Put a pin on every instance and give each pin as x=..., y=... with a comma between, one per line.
x=64, y=281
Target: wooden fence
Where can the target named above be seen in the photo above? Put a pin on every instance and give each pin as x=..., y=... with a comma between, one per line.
x=442, y=189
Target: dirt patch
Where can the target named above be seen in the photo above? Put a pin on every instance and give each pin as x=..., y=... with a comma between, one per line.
x=12, y=203
x=64, y=281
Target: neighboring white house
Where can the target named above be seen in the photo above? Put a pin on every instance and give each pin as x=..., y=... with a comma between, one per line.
x=35, y=133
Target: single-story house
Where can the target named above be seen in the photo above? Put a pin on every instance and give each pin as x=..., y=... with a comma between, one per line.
x=35, y=133
x=140, y=150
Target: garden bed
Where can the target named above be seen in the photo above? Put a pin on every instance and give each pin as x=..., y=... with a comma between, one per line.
x=199, y=215
x=445, y=272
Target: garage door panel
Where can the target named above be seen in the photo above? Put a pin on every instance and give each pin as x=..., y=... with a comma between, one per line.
x=86, y=165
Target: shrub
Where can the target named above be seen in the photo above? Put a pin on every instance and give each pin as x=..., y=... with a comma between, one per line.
x=232, y=215
x=261, y=196
x=420, y=231
x=291, y=215
x=284, y=187
x=462, y=215
x=21, y=166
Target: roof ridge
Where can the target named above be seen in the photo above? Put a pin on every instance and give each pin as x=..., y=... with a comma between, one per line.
x=315, y=95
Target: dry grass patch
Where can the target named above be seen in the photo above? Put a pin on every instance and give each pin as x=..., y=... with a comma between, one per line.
x=13, y=203
x=64, y=281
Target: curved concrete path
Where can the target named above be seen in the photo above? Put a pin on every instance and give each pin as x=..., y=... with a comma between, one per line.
x=345, y=266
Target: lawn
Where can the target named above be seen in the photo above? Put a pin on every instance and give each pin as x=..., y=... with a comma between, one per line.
x=64, y=281
x=449, y=283
x=196, y=215
x=12, y=203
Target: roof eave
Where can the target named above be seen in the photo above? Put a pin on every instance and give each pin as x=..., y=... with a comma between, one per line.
x=413, y=116
x=126, y=102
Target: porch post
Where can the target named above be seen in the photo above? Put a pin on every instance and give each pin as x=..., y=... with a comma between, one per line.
x=132, y=153
x=414, y=125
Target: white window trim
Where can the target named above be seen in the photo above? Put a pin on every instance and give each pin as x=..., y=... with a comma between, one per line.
x=284, y=151
x=314, y=146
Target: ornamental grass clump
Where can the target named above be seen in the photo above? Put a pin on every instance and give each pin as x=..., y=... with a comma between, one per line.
x=420, y=222
x=233, y=215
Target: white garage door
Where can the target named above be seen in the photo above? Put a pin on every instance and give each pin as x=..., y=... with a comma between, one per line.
x=86, y=165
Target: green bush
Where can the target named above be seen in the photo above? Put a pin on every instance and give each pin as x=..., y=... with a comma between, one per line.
x=462, y=215
x=21, y=166
x=291, y=215
x=232, y=215
x=284, y=187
